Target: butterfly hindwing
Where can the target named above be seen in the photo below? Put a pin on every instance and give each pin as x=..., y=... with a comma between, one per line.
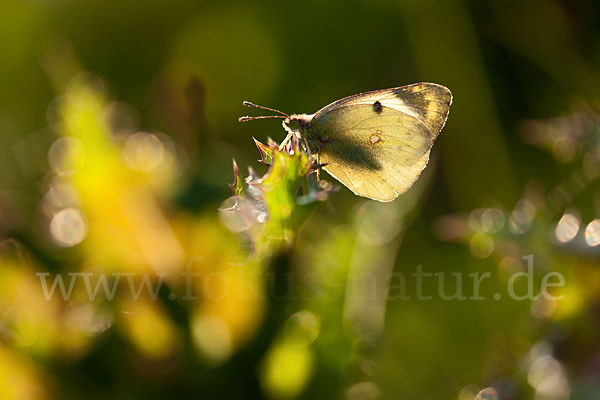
x=384, y=186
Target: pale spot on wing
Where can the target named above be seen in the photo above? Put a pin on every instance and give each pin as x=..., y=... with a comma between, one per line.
x=390, y=102
x=433, y=107
x=375, y=137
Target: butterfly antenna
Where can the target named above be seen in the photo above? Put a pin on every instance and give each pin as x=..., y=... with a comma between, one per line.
x=248, y=118
x=249, y=104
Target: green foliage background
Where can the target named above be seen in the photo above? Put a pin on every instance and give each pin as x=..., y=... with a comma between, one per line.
x=313, y=305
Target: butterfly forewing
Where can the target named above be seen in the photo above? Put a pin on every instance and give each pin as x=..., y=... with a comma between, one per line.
x=377, y=143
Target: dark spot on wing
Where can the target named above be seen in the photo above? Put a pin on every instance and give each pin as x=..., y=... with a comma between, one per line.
x=377, y=107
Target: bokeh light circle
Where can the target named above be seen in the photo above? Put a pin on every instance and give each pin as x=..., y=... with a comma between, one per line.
x=237, y=214
x=68, y=227
x=487, y=394
x=66, y=156
x=143, y=151
x=592, y=233
x=567, y=228
x=304, y=326
x=481, y=245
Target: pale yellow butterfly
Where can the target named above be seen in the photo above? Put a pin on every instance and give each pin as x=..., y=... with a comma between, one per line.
x=375, y=143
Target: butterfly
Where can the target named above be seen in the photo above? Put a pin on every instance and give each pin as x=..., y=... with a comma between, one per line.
x=375, y=143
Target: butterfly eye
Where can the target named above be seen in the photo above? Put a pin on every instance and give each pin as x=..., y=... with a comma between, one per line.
x=294, y=124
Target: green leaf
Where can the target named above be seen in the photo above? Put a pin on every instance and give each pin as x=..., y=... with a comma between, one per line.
x=266, y=152
x=237, y=187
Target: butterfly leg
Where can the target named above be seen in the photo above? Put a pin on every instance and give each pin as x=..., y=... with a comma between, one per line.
x=322, y=141
x=290, y=133
x=318, y=164
x=286, y=140
x=310, y=155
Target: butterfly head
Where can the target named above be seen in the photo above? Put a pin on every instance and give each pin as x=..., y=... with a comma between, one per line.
x=297, y=123
x=294, y=124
